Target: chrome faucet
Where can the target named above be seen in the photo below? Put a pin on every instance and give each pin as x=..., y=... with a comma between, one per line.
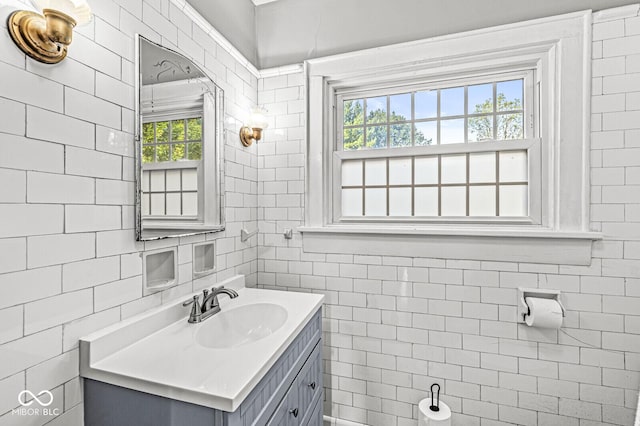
x=210, y=305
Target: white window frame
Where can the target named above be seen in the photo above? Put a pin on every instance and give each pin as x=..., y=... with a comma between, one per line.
x=559, y=49
x=177, y=103
x=529, y=143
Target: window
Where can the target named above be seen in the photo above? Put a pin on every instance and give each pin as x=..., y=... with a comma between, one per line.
x=171, y=166
x=180, y=172
x=386, y=140
x=478, y=140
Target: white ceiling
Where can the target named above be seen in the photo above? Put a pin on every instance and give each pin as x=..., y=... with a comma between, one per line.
x=271, y=33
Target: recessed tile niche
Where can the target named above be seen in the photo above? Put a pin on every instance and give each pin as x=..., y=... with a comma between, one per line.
x=204, y=259
x=160, y=269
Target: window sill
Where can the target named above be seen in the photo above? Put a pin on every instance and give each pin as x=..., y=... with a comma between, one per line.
x=469, y=243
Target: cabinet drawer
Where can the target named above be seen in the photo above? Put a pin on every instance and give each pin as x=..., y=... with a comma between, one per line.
x=287, y=413
x=309, y=384
x=297, y=406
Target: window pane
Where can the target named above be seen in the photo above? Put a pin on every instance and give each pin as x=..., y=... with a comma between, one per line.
x=352, y=202
x=147, y=133
x=426, y=202
x=353, y=138
x=454, y=168
x=400, y=135
x=177, y=152
x=510, y=126
x=162, y=131
x=480, y=98
x=194, y=129
x=513, y=166
x=452, y=101
x=400, y=202
x=400, y=171
x=173, y=204
x=454, y=200
x=177, y=130
x=482, y=167
x=146, y=175
x=375, y=202
x=157, y=180
x=513, y=200
x=452, y=131
x=353, y=112
x=426, y=133
x=482, y=201
x=189, y=180
x=145, y=205
x=162, y=152
x=481, y=128
x=173, y=180
x=375, y=172
x=157, y=204
x=377, y=137
x=400, y=107
x=426, y=172
x=195, y=151
x=377, y=110
x=510, y=95
x=148, y=152
x=190, y=204
x=351, y=173
x=426, y=104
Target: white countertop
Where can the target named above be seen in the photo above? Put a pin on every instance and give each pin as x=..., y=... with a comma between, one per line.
x=156, y=352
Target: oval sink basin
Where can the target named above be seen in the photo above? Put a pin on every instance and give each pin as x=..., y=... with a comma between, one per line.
x=240, y=326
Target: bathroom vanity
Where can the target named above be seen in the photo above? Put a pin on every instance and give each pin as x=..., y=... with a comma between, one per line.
x=257, y=362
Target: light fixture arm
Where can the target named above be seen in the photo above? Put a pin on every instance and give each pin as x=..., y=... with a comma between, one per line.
x=248, y=135
x=43, y=38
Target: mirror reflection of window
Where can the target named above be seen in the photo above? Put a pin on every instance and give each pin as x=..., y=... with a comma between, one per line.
x=174, y=145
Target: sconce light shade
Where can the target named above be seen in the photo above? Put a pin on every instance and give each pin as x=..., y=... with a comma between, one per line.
x=258, y=119
x=46, y=38
x=257, y=123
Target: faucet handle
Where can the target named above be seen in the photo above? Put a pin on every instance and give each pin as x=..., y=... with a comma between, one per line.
x=195, y=301
x=196, y=311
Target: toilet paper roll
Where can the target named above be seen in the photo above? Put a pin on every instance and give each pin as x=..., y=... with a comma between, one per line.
x=544, y=313
x=434, y=418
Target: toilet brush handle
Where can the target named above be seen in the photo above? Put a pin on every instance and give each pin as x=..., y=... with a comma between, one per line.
x=436, y=406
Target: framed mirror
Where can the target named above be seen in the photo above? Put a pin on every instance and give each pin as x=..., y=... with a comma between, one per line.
x=179, y=146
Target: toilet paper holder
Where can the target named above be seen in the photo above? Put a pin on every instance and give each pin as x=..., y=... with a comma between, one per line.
x=523, y=293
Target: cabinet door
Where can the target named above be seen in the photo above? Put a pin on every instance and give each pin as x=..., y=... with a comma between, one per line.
x=309, y=384
x=288, y=413
x=316, y=415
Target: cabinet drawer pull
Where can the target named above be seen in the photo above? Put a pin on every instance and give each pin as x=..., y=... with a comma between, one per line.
x=312, y=385
x=294, y=412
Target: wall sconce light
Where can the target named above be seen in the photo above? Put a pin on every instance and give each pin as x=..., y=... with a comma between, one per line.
x=257, y=123
x=46, y=38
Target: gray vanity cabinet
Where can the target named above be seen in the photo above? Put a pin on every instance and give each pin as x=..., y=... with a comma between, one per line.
x=290, y=394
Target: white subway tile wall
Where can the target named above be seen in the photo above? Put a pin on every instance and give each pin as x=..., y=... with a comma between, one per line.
x=69, y=264
x=393, y=326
